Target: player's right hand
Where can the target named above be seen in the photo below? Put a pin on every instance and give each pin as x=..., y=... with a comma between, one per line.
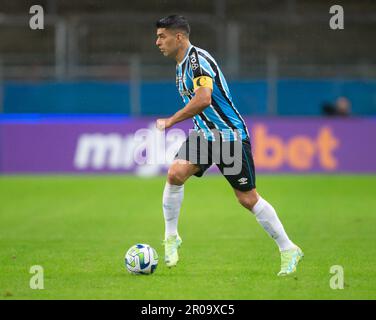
x=163, y=124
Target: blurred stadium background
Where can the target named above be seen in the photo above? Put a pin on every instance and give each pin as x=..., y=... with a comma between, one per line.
x=97, y=60
x=74, y=95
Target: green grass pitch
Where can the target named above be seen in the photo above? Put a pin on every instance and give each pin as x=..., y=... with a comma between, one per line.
x=79, y=228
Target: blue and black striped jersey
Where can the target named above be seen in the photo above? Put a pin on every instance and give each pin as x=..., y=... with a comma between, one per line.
x=222, y=114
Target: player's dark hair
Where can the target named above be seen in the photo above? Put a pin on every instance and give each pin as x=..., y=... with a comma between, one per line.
x=174, y=22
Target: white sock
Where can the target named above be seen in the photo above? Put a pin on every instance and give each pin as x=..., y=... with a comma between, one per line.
x=267, y=217
x=172, y=199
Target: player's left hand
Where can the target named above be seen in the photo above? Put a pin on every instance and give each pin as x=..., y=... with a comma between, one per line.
x=163, y=124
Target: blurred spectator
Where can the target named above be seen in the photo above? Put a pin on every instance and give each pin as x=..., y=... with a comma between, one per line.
x=341, y=107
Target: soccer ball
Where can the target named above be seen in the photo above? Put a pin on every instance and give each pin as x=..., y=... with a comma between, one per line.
x=141, y=259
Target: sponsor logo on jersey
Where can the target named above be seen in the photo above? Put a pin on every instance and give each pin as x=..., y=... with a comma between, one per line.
x=194, y=62
x=185, y=93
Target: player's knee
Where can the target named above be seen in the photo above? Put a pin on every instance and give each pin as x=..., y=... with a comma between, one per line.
x=176, y=176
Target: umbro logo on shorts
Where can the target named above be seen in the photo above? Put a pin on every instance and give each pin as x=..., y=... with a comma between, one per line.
x=243, y=180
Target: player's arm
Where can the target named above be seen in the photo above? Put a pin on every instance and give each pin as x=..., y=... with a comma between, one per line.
x=203, y=87
x=203, y=75
x=200, y=101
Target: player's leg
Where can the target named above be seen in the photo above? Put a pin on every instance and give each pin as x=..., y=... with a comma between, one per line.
x=184, y=166
x=244, y=185
x=187, y=163
x=266, y=216
x=173, y=193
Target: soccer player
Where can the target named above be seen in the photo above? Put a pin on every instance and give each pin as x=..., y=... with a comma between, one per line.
x=217, y=124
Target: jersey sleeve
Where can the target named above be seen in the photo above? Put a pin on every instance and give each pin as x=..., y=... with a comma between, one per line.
x=203, y=73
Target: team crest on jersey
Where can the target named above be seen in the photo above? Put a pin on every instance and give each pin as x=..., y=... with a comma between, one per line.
x=180, y=78
x=194, y=61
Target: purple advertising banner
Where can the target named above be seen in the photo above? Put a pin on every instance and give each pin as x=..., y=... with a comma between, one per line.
x=299, y=145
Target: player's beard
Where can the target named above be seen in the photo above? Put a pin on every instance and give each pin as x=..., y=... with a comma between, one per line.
x=169, y=54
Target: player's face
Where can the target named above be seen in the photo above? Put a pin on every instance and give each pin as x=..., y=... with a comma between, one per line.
x=168, y=42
